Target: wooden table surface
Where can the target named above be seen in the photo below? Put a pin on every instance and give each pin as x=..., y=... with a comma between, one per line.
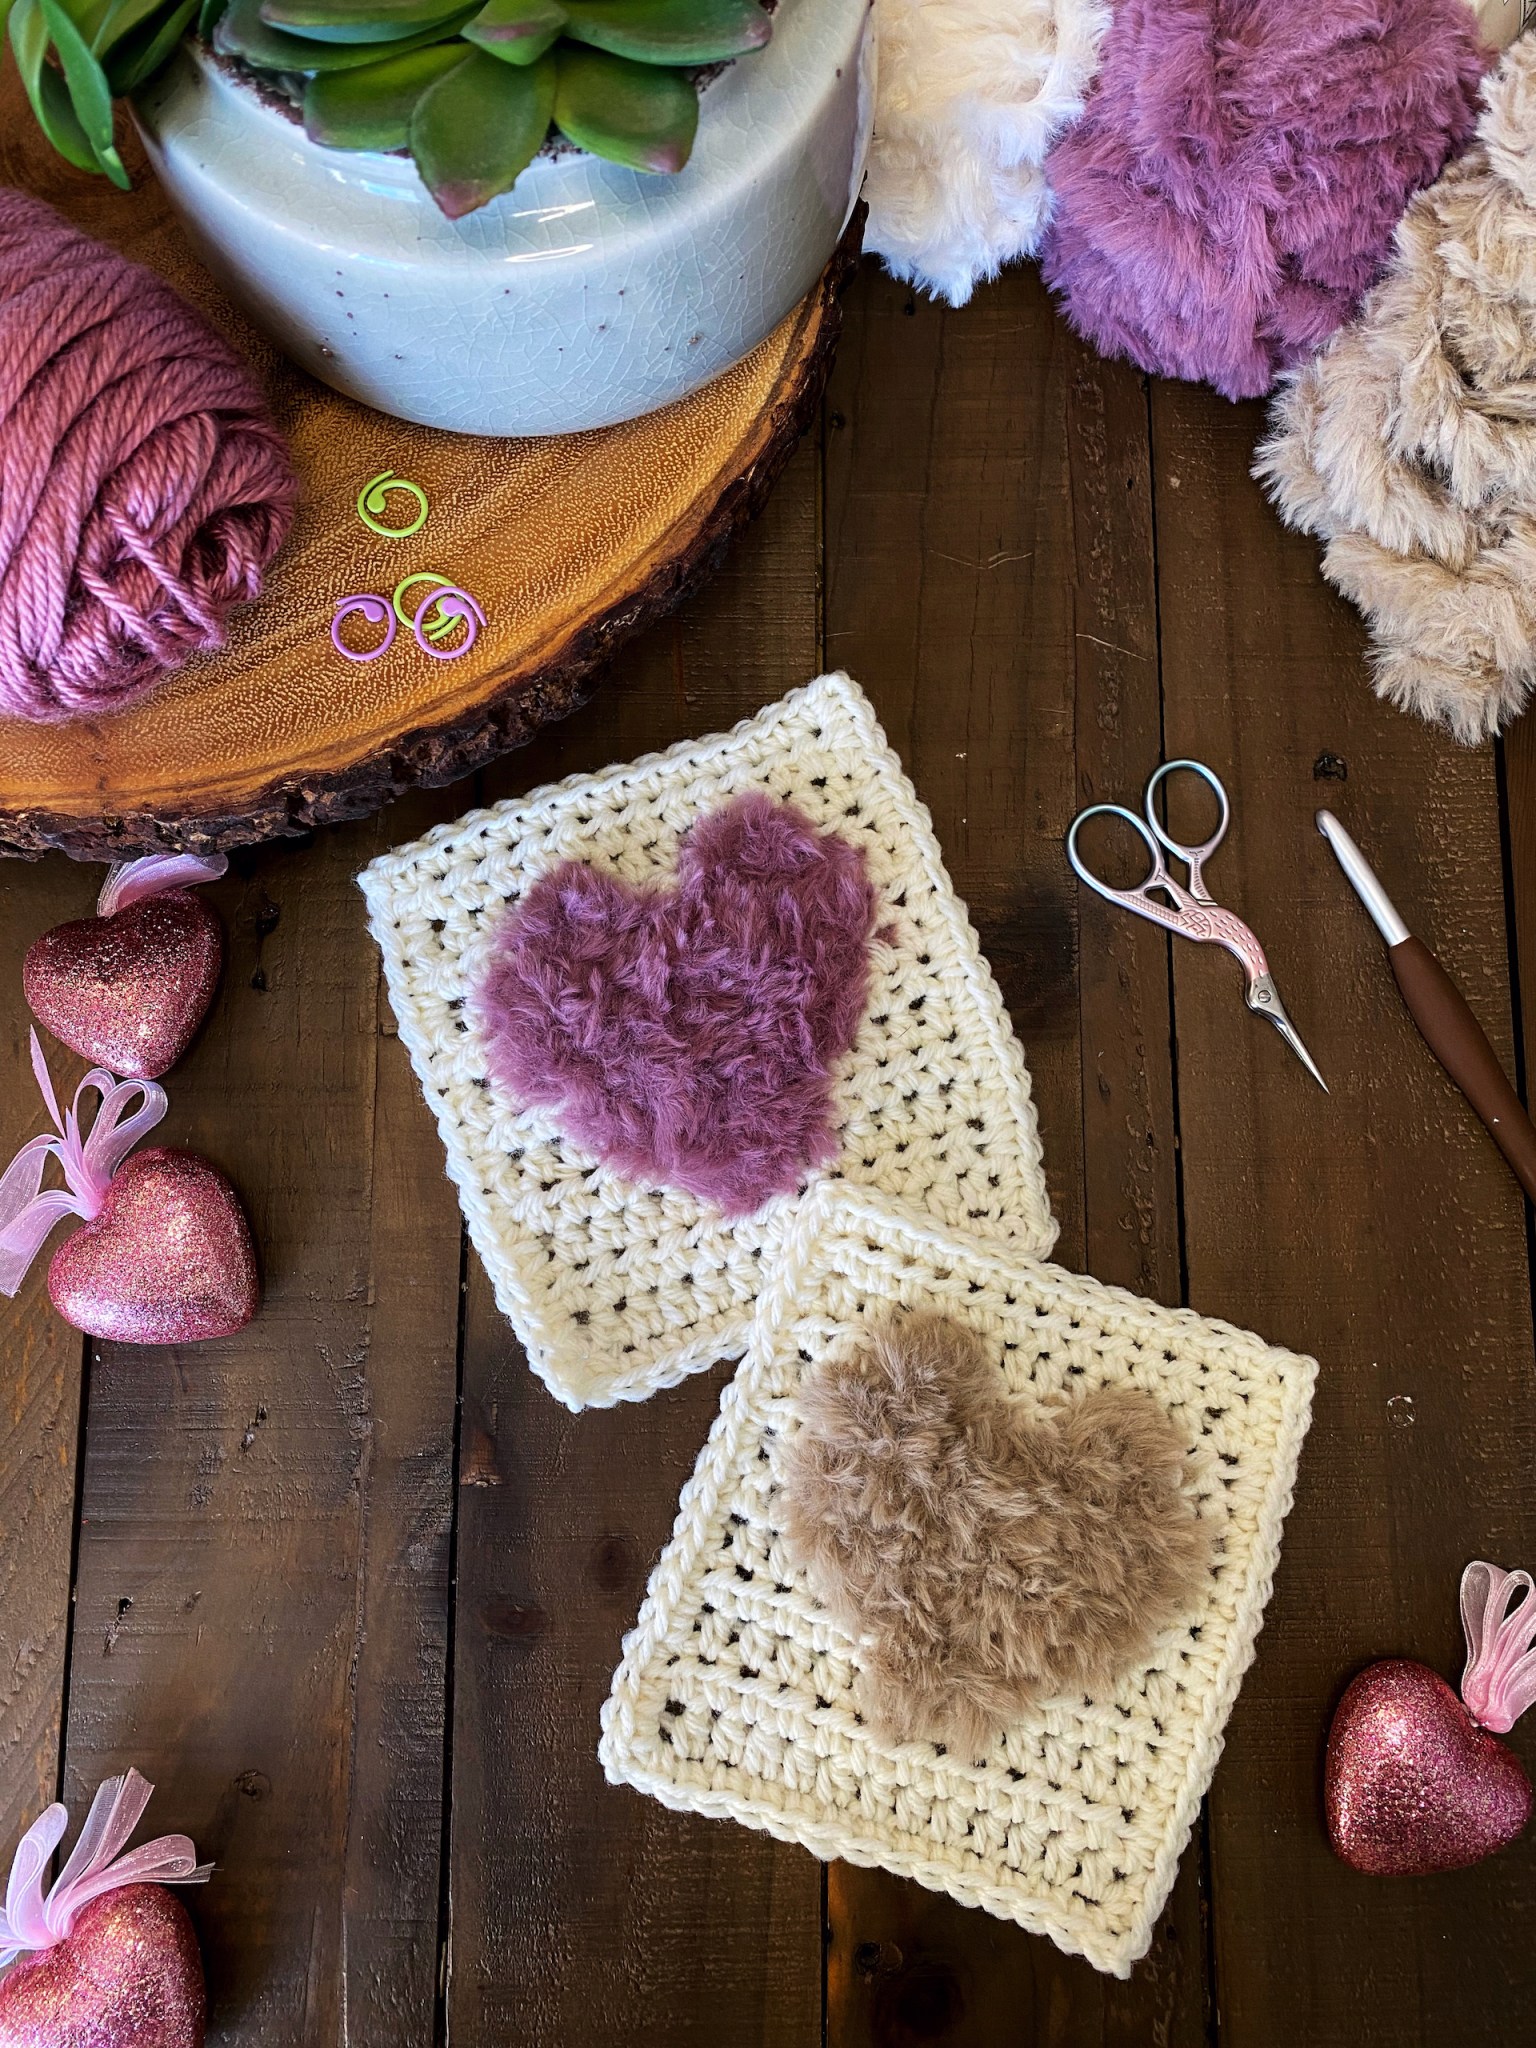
x=349, y=1588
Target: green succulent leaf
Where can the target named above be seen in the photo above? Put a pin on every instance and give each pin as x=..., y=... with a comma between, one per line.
x=45, y=87
x=371, y=108
x=517, y=31
x=104, y=27
x=208, y=18
x=86, y=84
x=633, y=114
x=478, y=127
x=136, y=59
x=671, y=31
x=356, y=21
x=241, y=32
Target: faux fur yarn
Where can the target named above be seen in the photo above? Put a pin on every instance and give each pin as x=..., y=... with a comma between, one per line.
x=985, y=1558
x=1409, y=445
x=1231, y=190
x=687, y=1036
x=143, y=488
x=971, y=95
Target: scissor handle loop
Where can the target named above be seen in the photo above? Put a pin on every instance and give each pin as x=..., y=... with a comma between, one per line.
x=1195, y=855
x=1157, y=872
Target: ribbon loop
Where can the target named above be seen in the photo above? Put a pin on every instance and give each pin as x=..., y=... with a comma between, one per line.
x=96, y=1865
x=1499, y=1682
x=28, y=1211
x=130, y=881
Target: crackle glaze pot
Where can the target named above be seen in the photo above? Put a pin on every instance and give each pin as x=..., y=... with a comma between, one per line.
x=587, y=295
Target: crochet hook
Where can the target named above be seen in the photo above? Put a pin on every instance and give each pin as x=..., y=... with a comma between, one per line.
x=1440, y=1010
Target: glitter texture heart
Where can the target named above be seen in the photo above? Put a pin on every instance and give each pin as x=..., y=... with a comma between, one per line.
x=168, y=1261
x=1412, y=1783
x=128, y=991
x=686, y=1036
x=128, y=1976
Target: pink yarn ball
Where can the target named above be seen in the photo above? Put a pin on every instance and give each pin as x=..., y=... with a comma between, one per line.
x=143, y=488
x=1232, y=188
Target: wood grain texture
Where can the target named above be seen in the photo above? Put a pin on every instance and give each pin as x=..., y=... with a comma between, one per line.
x=584, y=1914
x=572, y=543
x=262, y=1602
x=1376, y=1227
x=43, y=1364
x=990, y=583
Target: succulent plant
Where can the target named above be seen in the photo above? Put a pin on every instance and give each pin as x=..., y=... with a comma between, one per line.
x=470, y=91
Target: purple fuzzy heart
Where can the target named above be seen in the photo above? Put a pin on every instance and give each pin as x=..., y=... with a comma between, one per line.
x=685, y=1036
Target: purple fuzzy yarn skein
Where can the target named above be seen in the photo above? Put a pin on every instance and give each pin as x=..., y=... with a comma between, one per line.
x=143, y=489
x=1233, y=186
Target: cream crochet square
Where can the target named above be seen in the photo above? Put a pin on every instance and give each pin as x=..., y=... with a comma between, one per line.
x=617, y=1289
x=735, y=1694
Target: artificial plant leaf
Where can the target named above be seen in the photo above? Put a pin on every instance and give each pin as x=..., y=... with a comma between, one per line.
x=241, y=32
x=477, y=128
x=371, y=108
x=634, y=114
x=136, y=59
x=89, y=93
x=517, y=31
x=105, y=27
x=45, y=87
x=671, y=31
x=356, y=21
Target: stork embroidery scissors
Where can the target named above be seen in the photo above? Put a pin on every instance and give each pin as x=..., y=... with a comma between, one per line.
x=1193, y=912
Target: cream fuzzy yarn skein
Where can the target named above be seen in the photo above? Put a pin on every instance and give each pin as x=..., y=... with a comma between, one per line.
x=970, y=96
x=1409, y=444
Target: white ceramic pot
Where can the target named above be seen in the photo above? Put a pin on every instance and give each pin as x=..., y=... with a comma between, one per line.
x=586, y=295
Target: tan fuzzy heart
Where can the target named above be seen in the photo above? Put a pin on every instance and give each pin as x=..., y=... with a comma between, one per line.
x=986, y=1557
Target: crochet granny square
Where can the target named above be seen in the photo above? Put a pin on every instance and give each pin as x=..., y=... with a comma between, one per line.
x=617, y=1289
x=735, y=1696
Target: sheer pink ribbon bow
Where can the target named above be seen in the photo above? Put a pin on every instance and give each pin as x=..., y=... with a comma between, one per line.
x=31, y=1921
x=1499, y=1682
x=130, y=881
x=28, y=1211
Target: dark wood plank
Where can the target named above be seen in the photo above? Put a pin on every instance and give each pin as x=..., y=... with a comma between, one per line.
x=40, y=1414
x=582, y=1914
x=1376, y=1227
x=263, y=1570
x=990, y=582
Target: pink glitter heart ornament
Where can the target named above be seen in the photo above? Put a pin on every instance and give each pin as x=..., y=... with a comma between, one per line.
x=129, y=986
x=1415, y=1781
x=169, y=1260
x=129, y=1976
x=686, y=1036
x=108, y=1959
x=164, y=1255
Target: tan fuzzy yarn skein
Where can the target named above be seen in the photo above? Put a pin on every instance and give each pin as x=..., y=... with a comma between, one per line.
x=1409, y=444
x=985, y=1556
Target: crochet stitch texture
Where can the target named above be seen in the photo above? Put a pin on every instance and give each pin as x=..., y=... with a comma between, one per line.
x=1409, y=445
x=736, y=1694
x=616, y=1288
x=1232, y=187
x=971, y=95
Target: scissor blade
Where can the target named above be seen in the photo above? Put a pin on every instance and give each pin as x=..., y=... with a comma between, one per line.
x=1264, y=997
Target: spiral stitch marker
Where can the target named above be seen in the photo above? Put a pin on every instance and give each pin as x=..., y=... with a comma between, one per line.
x=453, y=604
x=440, y=627
x=372, y=502
x=377, y=612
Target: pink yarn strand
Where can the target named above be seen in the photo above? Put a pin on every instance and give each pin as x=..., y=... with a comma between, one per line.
x=1499, y=1682
x=143, y=490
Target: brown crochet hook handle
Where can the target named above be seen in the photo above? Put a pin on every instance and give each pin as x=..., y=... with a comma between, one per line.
x=1440, y=1010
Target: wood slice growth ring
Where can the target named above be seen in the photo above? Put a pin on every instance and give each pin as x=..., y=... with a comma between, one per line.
x=571, y=544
